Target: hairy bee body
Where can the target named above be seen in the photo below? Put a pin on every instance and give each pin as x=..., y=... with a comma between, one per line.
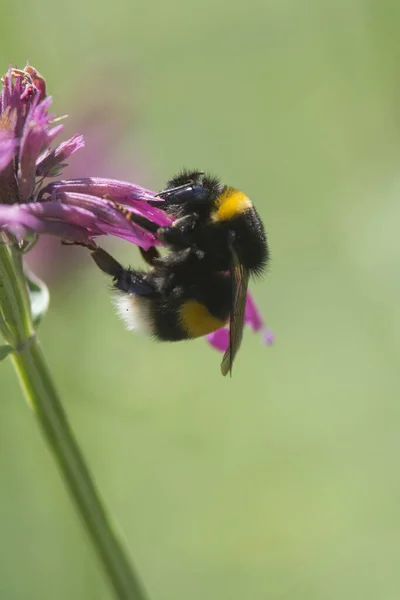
x=216, y=241
x=208, y=216
x=173, y=311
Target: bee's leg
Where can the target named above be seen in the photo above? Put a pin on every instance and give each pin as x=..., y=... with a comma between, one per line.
x=136, y=283
x=179, y=234
x=140, y=220
x=151, y=255
x=176, y=234
x=125, y=280
x=174, y=259
x=103, y=259
x=89, y=245
x=107, y=263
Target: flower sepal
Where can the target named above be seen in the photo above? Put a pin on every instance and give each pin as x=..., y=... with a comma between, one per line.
x=5, y=350
x=39, y=296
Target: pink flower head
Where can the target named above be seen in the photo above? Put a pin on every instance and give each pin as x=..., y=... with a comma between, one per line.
x=76, y=210
x=27, y=130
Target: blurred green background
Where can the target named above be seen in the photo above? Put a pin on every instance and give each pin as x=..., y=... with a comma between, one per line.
x=282, y=482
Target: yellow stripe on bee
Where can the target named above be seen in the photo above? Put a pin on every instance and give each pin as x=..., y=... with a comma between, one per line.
x=230, y=203
x=196, y=320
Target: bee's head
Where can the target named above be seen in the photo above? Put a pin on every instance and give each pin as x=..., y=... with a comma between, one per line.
x=190, y=191
x=186, y=177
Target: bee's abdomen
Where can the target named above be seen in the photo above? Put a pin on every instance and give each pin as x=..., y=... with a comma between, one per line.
x=151, y=316
x=196, y=319
x=166, y=325
x=197, y=306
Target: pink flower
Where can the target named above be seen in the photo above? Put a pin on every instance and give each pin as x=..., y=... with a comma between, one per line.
x=220, y=339
x=26, y=132
x=76, y=210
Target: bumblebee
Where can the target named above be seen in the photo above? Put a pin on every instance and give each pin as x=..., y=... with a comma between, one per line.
x=215, y=243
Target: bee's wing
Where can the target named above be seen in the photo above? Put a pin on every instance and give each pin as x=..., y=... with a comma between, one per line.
x=240, y=280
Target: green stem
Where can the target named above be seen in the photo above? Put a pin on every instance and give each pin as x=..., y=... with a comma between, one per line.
x=39, y=390
x=3, y=328
x=14, y=300
x=16, y=324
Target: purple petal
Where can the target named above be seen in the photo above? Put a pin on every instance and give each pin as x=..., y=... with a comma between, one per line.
x=109, y=218
x=21, y=220
x=11, y=95
x=105, y=192
x=120, y=191
x=268, y=336
x=254, y=319
x=79, y=218
x=253, y=316
x=48, y=164
x=35, y=138
x=219, y=339
x=7, y=146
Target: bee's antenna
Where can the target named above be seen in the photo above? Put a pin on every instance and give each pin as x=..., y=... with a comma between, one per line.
x=169, y=191
x=179, y=187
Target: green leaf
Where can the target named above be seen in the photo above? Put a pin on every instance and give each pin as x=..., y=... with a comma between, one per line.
x=5, y=351
x=39, y=296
